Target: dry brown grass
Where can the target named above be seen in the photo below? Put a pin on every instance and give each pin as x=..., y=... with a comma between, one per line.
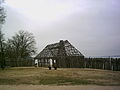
x=62, y=76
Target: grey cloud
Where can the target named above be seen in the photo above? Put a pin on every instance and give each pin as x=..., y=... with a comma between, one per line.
x=93, y=30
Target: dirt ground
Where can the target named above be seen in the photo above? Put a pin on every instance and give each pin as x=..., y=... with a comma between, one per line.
x=44, y=87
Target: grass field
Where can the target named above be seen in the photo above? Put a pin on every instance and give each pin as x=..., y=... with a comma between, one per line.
x=62, y=76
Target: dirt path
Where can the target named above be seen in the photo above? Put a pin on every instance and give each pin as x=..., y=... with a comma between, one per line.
x=42, y=87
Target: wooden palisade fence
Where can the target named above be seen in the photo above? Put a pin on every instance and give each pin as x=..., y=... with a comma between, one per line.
x=94, y=63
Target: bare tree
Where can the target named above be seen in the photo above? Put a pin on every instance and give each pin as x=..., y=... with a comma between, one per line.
x=22, y=45
x=2, y=51
x=2, y=20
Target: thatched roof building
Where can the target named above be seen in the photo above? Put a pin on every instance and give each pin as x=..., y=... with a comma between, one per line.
x=61, y=53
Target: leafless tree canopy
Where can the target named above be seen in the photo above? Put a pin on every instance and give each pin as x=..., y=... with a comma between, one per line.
x=21, y=45
x=2, y=13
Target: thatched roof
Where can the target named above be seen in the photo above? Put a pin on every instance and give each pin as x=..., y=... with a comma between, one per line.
x=63, y=48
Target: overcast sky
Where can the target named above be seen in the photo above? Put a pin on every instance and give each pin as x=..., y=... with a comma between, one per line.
x=92, y=26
